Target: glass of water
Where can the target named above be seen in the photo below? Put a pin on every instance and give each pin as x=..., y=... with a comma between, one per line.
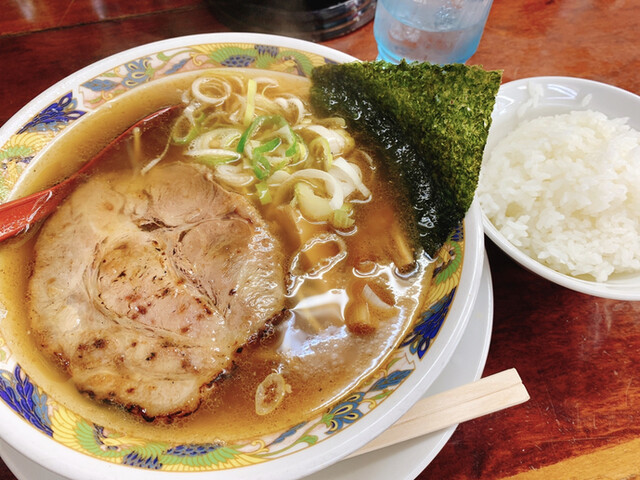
x=436, y=31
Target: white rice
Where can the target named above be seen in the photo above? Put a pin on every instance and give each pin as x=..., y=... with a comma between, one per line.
x=565, y=190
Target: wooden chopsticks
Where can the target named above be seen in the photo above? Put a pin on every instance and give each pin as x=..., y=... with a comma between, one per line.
x=472, y=400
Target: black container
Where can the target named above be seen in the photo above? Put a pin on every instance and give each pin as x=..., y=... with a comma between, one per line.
x=315, y=20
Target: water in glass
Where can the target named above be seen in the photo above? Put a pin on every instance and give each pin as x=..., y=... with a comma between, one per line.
x=437, y=31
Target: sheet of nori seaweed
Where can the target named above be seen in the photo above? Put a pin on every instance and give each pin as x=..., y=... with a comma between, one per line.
x=428, y=122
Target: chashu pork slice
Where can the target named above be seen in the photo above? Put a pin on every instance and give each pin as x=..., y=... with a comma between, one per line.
x=144, y=288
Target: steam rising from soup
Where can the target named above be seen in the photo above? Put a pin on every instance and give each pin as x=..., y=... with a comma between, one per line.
x=351, y=283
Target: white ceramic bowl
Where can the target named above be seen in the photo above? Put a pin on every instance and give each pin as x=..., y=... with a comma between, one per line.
x=557, y=95
x=48, y=434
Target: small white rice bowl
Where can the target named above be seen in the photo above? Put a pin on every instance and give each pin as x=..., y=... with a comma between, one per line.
x=560, y=183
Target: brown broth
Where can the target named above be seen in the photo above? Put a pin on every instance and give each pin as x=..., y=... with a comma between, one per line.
x=320, y=358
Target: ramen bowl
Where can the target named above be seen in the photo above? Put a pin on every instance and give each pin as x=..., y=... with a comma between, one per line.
x=68, y=444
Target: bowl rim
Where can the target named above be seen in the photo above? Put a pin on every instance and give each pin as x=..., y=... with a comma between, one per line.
x=73, y=464
x=611, y=289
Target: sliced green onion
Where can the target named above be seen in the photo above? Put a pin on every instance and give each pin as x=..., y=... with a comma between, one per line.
x=264, y=195
x=275, y=120
x=261, y=167
x=269, y=146
x=234, y=175
x=280, y=165
x=191, y=134
x=351, y=175
x=320, y=148
x=260, y=164
x=337, y=141
x=229, y=137
x=252, y=87
x=215, y=160
x=221, y=139
x=312, y=206
x=293, y=148
x=341, y=218
x=303, y=151
x=332, y=186
x=257, y=122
